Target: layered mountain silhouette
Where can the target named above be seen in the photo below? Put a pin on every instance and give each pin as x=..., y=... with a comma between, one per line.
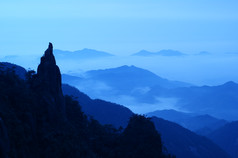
x=179, y=141
x=146, y=87
x=164, y=52
x=201, y=124
x=124, y=80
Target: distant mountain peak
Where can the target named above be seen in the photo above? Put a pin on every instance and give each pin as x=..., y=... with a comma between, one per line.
x=133, y=68
x=164, y=52
x=230, y=83
x=90, y=50
x=128, y=67
x=85, y=49
x=144, y=53
x=170, y=52
x=85, y=53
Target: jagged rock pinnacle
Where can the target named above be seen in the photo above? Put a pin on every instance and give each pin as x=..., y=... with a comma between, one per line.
x=48, y=56
x=50, y=46
x=50, y=77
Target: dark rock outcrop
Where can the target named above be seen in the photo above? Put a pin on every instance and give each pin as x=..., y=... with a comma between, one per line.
x=50, y=78
x=4, y=140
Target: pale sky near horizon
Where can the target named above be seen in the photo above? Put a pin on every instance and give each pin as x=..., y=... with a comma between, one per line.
x=118, y=26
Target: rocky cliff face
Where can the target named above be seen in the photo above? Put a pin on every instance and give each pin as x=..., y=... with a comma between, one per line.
x=50, y=77
x=4, y=141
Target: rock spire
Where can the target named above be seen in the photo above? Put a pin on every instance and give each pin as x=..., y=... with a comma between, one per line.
x=50, y=77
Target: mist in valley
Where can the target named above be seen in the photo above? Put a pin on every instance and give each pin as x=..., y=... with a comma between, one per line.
x=197, y=69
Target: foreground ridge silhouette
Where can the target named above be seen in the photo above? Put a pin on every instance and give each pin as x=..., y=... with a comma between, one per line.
x=36, y=120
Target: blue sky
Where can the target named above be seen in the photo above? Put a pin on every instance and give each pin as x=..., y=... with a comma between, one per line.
x=118, y=26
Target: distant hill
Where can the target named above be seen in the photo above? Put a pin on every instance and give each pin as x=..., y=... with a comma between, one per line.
x=80, y=54
x=227, y=138
x=201, y=124
x=132, y=76
x=164, y=52
x=186, y=144
x=144, y=53
x=124, y=80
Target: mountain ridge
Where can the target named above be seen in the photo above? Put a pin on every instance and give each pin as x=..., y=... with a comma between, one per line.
x=80, y=54
x=163, y=52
